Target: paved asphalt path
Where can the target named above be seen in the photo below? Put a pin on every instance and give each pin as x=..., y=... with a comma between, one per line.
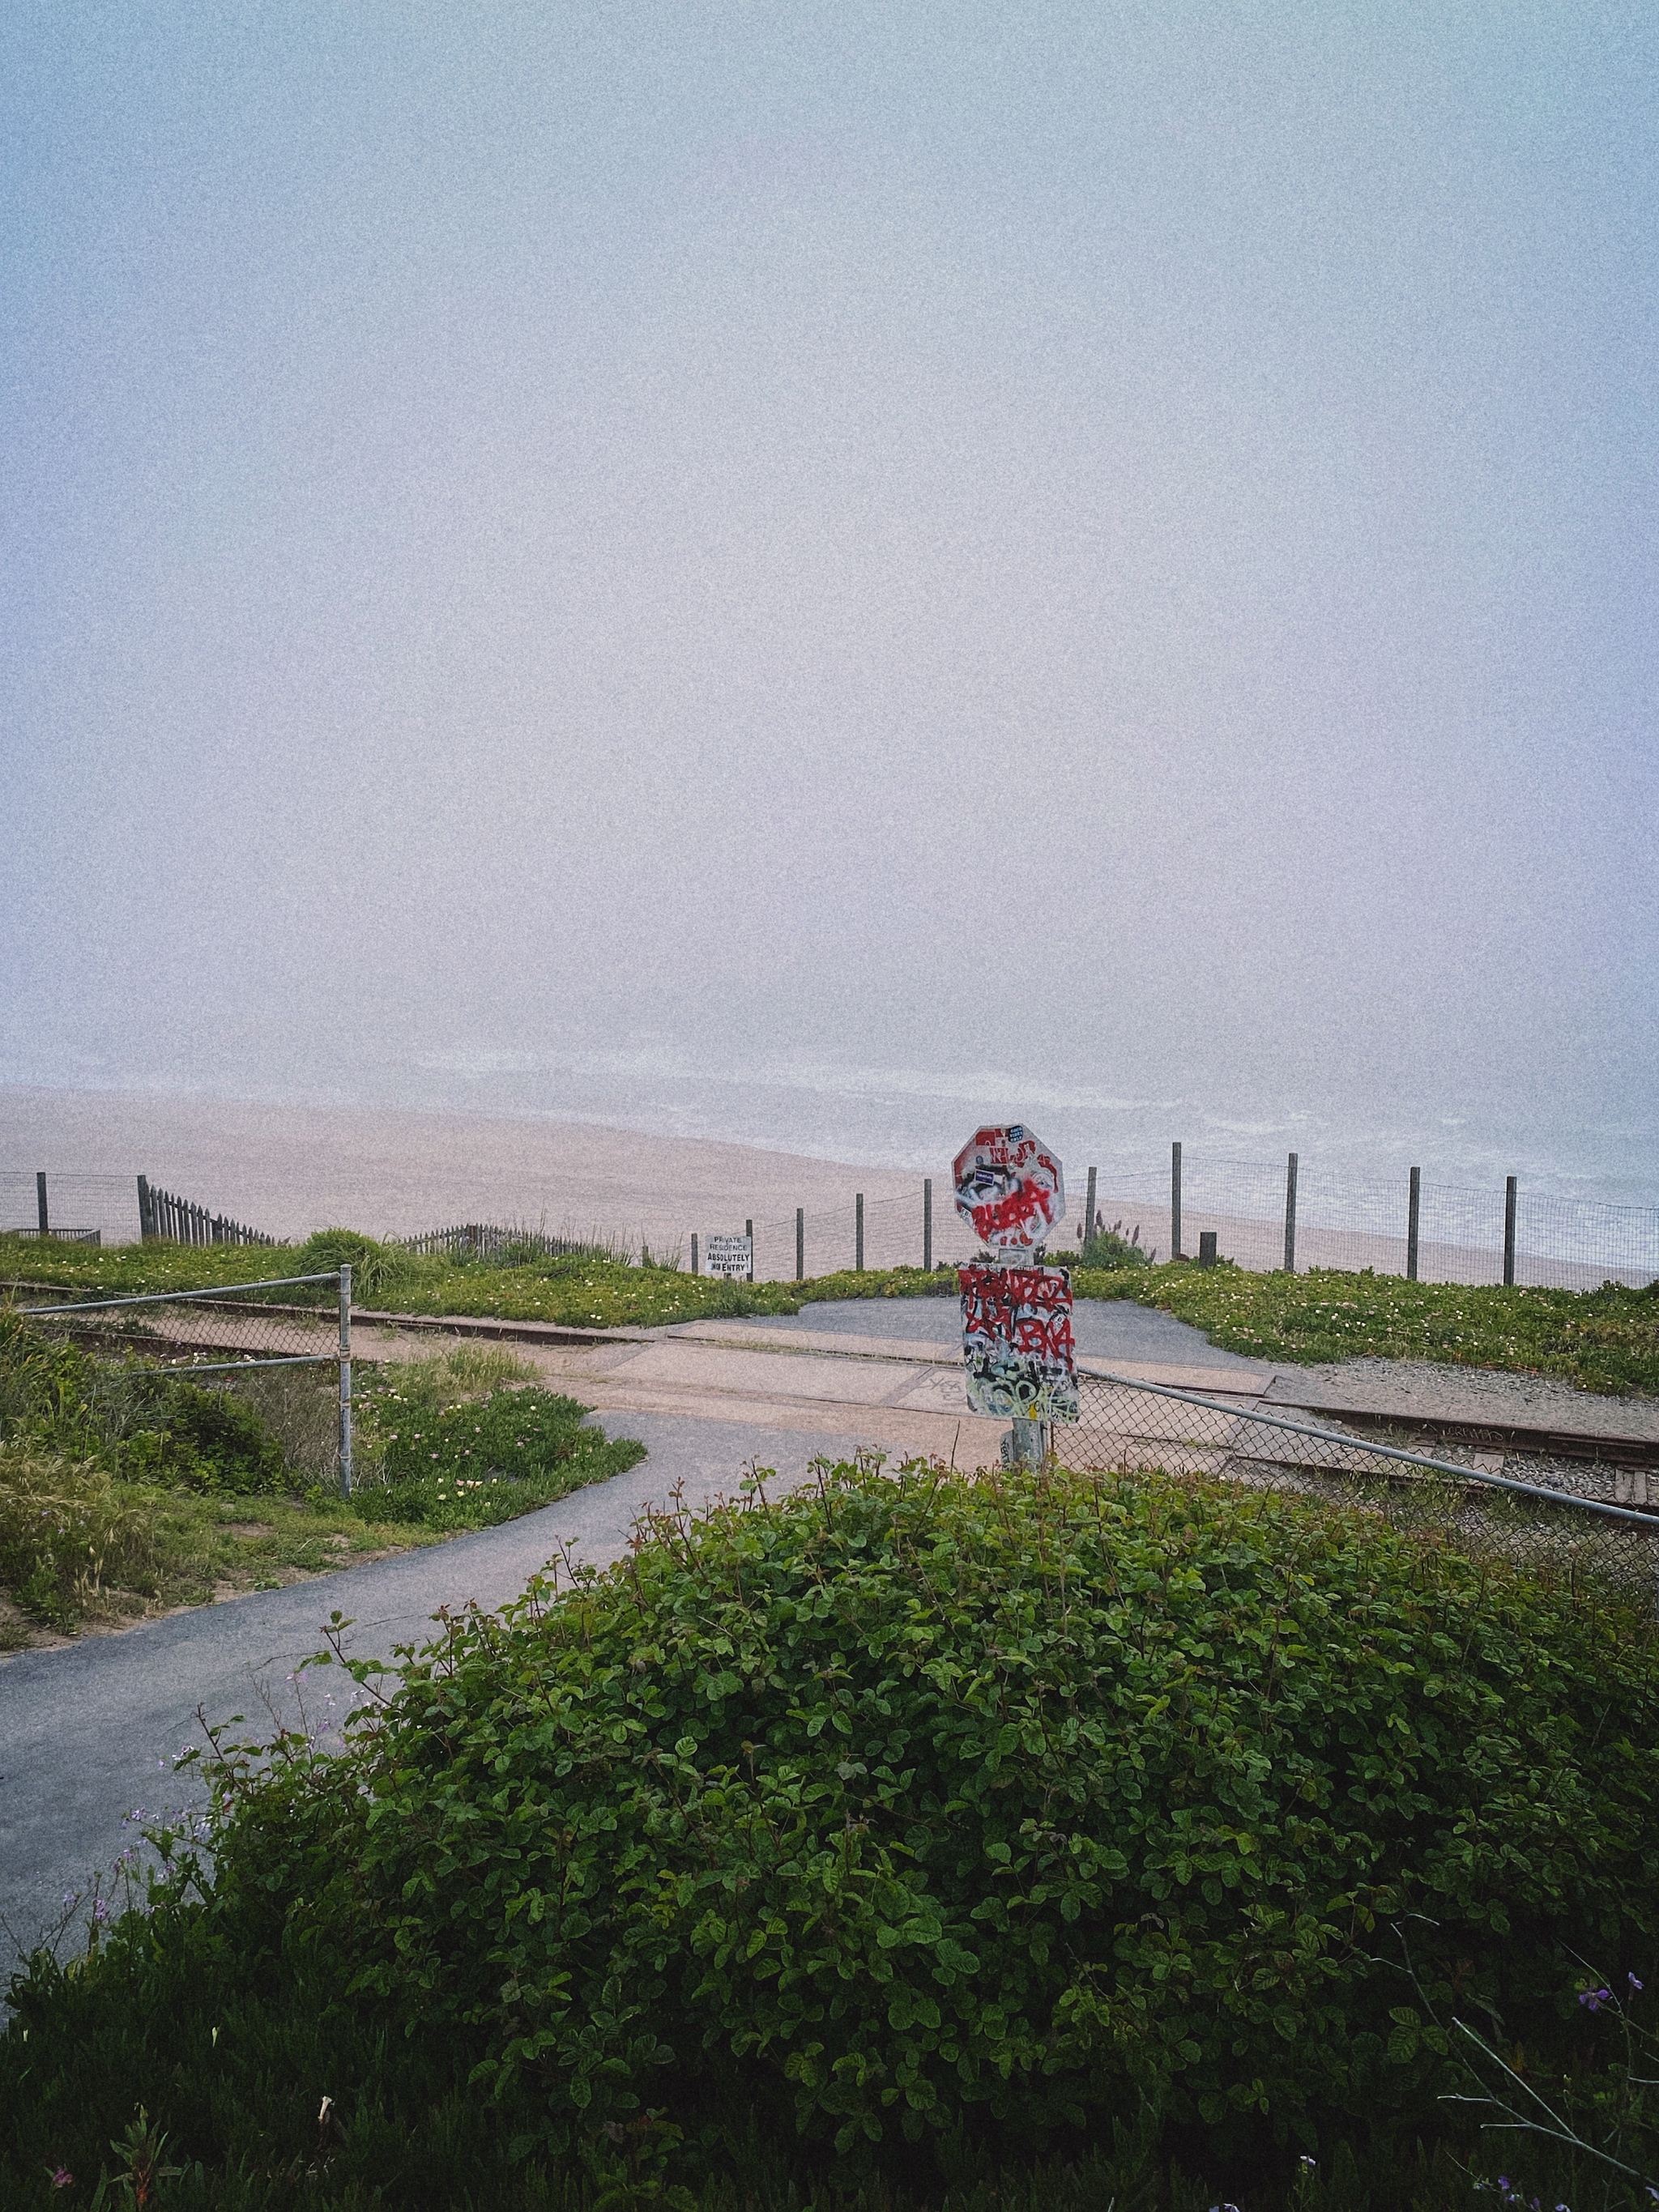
x=1104, y=1328
x=88, y=1731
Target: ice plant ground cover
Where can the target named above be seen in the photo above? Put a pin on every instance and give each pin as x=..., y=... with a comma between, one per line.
x=1030, y=1840
x=1603, y=1340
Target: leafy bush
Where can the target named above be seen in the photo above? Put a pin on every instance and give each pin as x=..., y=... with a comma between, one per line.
x=133, y=1420
x=209, y=1440
x=925, y=1809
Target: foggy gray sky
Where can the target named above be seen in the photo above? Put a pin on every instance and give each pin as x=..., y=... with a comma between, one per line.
x=1115, y=542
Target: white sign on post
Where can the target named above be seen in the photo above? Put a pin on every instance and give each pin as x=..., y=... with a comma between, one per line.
x=732, y=1256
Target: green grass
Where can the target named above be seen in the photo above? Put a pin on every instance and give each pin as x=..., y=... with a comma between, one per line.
x=1040, y=1842
x=1604, y=1341
x=119, y=1551
x=581, y=1293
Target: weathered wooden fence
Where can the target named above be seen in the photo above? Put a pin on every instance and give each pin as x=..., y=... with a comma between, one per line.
x=180, y=1219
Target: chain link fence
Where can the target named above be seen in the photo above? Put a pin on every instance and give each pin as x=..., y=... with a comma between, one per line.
x=242, y=1328
x=1575, y=1522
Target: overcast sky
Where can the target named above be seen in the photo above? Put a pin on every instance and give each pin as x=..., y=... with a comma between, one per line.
x=1111, y=540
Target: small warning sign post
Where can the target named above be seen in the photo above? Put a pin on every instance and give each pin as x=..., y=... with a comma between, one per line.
x=732, y=1256
x=1017, y=1342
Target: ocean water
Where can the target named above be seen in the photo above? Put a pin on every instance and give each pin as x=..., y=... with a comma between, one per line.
x=900, y=1118
x=888, y=1125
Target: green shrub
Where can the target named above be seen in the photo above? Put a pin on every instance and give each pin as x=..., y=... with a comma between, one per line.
x=211, y=1440
x=1108, y=1248
x=932, y=1810
x=374, y=1266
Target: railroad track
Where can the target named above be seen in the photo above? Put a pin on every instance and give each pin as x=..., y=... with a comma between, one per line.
x=1505, y=1437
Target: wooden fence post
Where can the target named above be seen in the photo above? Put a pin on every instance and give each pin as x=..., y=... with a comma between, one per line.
x=1289, y=1215
x=1089, y=1208
x=1175, y=1201
x=800, y=1243
x=694, y=1251
x=1413, y=1214
x=858, y=1233
x=1509, y=1232
x=40, y=1202
x=927, y=1224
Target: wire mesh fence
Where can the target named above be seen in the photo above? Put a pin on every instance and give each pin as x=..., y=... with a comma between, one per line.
x=78, y=1208
x=203, y=1331
x=243, y=1329
x=1460, y=1234
x=1575, y=1522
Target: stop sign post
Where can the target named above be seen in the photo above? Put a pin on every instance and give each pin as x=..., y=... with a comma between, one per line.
x=1017, y=1339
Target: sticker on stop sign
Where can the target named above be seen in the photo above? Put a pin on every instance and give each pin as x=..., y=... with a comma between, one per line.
x=1008, y=1185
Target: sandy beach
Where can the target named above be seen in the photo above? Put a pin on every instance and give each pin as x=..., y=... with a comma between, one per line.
x=289, y=1170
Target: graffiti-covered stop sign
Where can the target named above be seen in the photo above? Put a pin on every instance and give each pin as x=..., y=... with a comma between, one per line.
x=1010, y=1187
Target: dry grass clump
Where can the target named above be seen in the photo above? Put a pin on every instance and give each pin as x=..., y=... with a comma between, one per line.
x=73, y=1543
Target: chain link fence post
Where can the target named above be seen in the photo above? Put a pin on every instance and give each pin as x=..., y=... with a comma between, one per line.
x=345, y=1381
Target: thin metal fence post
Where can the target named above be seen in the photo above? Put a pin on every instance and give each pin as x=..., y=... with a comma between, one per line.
x=345, y=1381
x=1289, y=1215
x=694, y=1251
x=858, y=1233
x=41, y=1201
x=1413, y=1215
x=1089, y=1206
x=1175, y=1201
x=927, y=1224
x=1509, y=1232
x=749, y=1231
x=800, y=1243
